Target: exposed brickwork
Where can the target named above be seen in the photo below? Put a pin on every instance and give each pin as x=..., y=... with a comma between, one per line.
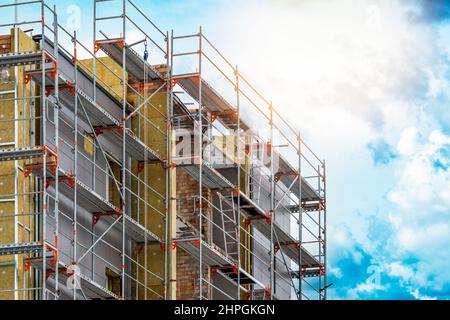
x=187, y=266
x=5, y=44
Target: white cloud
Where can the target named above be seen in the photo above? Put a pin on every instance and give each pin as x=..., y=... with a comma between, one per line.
x=365, y=288
x=421, y=188
x=409, y=141
x=347, y=73
x=397, y=269
x=416, y=293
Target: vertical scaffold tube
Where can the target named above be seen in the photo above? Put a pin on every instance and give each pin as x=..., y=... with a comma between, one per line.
x=56, y=137
x=75, y=166
x=200, y=147
x=300, y=220
x=124, y=155
x=238, y=214
x=44, y=160
x=168, y=193
x=272, y=206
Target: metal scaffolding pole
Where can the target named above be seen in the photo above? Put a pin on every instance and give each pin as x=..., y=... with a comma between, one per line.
x=124, y=154
x=272, y=205
x=325, y=262
x=238, y=213
x=169, y=241
x=75, y=167
x=56, y=137
x=16, y=164
x=168, y=168
x=111, y=117
x=300, y=220
x=200, y=151
x=44, y=140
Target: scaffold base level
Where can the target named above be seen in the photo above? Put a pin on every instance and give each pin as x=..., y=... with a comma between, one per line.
x=20, y=248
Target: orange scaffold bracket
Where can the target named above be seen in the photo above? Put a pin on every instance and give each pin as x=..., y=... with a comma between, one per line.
x=98, y=44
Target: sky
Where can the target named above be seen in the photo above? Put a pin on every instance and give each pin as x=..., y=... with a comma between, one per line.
x=367, y=83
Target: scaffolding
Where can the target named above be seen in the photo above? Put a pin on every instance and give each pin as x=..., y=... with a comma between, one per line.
x=101, y=142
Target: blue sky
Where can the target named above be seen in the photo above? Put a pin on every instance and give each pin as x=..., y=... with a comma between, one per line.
x=367, y=82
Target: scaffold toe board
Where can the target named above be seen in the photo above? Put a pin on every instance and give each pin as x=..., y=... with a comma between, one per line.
x=20, y=248
x=135, y=64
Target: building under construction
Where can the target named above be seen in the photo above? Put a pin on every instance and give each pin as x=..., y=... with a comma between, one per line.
x=140, y=164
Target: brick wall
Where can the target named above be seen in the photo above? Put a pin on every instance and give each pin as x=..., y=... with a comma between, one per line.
x=187, y=266
x=5, y=44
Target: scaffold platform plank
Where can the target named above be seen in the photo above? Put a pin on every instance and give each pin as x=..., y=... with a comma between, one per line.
x=20, y=58
x=211, y=178
x=244, y=276
x=212, y=100
x=91, y=201
x=308, y=272
x=98, y=115
x=210, y=255
x=287, y=243
x=249, y=208
x=135, y=64
x=105, y=111
x=20, y=248
x=213, y=258
x=286, y=174
x=23, y=153
x=309, y=206
x=139, y=233
x=90, y=288
x=135, y=148
x=260, y=219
